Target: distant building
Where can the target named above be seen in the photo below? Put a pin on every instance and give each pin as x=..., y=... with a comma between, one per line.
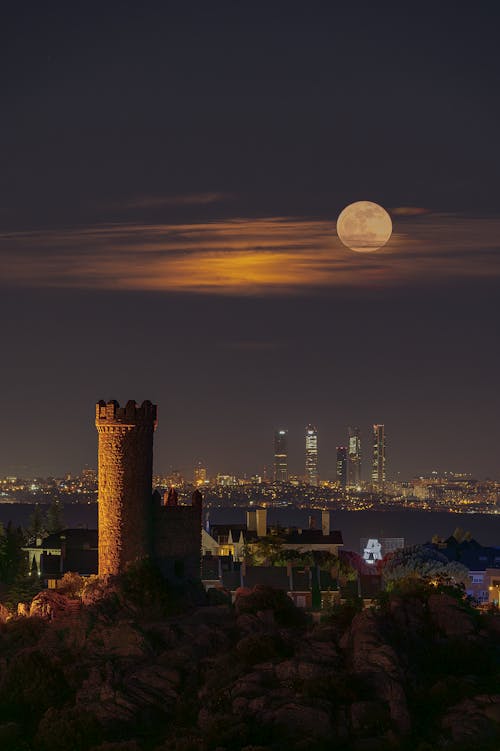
x=312, y=474
x=354, y=464
x=483, y=563
x=341, y=466
x=378, y=463
x=281, y=455
x=232, y=539
x=226, y=481
x=200, y=474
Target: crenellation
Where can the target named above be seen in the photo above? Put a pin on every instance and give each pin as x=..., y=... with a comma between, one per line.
x=111, y=413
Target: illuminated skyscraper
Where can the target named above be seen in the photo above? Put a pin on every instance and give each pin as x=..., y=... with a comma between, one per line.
x=280, y=456
x=342, y=466
x=378, y=464
x=312, y=477
x=354, y=466
x=200, y=474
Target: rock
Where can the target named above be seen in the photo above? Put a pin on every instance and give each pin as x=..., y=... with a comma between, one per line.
x=23, y=609
x=33, y=682
x=50, y=604
x=475, y=720
x=449, y=616
x=374, y=658
x=250, y=624
x=153, y=687
x=286, y=671
x=120, y=640
x=296, y=720
x=5, y=614
x=67, y=728
x=369, y=716
x=249, y=686
x=322, y=652
x=408, y=613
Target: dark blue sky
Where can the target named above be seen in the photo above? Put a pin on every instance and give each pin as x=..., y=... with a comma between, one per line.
x=134, y=136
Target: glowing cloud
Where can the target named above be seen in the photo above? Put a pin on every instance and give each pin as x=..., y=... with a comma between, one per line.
x=246, y=256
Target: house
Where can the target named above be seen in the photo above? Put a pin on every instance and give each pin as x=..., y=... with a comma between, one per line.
x=483, y=564
x=69, y=550
x=231, y=539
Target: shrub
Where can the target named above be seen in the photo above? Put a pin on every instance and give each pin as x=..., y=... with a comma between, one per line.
x=71, y=584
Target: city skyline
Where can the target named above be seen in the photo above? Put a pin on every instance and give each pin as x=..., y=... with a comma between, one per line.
x=325, y=461
x=168, y=209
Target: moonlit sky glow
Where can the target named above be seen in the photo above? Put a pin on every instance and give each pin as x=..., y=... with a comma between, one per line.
x=171, y=179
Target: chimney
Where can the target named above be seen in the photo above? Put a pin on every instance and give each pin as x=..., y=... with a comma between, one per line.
x=261, y=515
x=251, y=521
x=325, y=523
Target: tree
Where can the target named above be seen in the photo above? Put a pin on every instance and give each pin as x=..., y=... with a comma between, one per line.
x=13, y=560
x=54, y=521
x=424, y=562
x=36, y=526
x=266, y=549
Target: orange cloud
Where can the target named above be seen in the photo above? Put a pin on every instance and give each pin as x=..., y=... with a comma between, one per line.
x=246, y=256
x=409, y=211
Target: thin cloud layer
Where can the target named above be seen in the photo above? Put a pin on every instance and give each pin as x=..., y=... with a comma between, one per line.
x=247, y=256
x=183, y=199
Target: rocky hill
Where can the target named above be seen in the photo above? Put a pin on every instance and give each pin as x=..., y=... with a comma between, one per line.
x=140, y=669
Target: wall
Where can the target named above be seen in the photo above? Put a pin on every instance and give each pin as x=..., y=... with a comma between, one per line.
x=177, y=542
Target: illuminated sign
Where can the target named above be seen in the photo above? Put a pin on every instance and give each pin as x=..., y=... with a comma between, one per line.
x=373, y=551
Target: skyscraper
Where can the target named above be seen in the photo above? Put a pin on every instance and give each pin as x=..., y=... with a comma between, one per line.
x=280, y=456
x=341, y=466
x=200, y=474
x=312, y=477
x=378, y=464
x=354, y=466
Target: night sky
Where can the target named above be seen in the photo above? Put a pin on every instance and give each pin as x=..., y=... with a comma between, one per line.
x=170, y=179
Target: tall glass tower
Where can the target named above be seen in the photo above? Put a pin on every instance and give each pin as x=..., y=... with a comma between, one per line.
x=378, y=463
x=341, y=467
x=312, y=477
x=280, y=456
x=354, y=467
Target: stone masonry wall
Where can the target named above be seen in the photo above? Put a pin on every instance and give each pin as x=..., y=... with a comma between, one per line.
x=177, y=541
x=125, y=483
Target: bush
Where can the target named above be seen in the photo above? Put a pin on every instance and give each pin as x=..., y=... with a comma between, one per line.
x=341, y=614
x=71, y=584
x=32, y=683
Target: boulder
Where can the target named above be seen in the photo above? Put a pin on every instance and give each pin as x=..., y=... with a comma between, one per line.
x=120, y=640
x=450, y=616
x=23, y=609
x=5, y=614
x=475, y=720
x=296, y=720
x=375, y=659
x=369, y=716
x=50, y=604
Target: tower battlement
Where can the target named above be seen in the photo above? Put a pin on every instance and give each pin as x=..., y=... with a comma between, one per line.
x=110, y=413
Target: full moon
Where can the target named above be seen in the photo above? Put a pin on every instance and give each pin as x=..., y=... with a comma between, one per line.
x=364, y=226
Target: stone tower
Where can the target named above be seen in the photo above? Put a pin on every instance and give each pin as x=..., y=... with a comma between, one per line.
x=125, y=482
